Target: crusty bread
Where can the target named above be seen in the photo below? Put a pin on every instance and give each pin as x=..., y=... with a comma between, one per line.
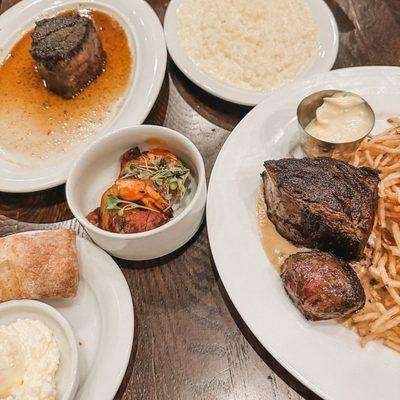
x=39, y=266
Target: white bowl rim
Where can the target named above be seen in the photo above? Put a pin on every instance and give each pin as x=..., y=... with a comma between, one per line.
x=156, y=129
x=67, y=329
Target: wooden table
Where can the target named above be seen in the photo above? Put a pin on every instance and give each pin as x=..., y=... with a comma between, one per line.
x=190, y=343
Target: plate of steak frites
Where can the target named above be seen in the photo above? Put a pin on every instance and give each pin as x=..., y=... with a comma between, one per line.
x=306, y=191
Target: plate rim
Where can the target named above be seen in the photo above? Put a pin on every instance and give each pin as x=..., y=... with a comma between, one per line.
x=127, y=301
x=129, y=323
x=222, y=272
x=153, y=29
x=235, y=95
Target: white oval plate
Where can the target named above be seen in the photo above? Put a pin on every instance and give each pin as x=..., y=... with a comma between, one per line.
x=146, y=38
x=323, y=60
x=101, y=317
x=325, y=356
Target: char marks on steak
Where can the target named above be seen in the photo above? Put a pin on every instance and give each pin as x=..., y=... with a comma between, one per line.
x=322, y=203
x=68, y=53
x=321, y=285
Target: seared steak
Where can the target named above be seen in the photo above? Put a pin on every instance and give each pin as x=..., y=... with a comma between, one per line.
x=322, y=203
x=68, y=53
x=321, y=285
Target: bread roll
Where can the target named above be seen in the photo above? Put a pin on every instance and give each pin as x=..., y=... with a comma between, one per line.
x=43, y=265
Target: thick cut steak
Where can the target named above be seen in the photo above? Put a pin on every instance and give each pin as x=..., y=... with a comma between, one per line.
x=322, y=203
x=68, y=53
x=322, y=286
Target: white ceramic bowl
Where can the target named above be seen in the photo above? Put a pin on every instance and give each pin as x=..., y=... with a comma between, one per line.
x=67, y=374
x=322, y=61
x=98, y=167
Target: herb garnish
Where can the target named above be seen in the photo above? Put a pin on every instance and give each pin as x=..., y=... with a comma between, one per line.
x=171, y=179
x=113, y=203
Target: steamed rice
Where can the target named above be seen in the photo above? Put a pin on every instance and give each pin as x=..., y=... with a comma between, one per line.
x=251, y=44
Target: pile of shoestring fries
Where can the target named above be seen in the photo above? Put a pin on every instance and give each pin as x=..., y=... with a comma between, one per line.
x=379, y=271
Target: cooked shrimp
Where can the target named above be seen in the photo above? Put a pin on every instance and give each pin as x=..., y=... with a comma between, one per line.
x=135, y=157
x=141, y=198
x=132, y=220
x=141, y=190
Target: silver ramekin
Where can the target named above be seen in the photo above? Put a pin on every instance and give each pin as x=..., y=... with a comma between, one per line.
x=313, y=147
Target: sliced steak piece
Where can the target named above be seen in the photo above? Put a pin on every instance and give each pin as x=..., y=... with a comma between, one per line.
x=68, y=53
x=321, y=285
x=322, y=203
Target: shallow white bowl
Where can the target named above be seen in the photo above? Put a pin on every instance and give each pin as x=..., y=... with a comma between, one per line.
x=98, y=167
x=322, y=61
x=67, y=374
x=146, y=39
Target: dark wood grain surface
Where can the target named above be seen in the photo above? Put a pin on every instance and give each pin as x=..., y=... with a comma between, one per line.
x=190, y=343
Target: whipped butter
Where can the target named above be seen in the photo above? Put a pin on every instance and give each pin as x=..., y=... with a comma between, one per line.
x=342, y=118
x=29, y=359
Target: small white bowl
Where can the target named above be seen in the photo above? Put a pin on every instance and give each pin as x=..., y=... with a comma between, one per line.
x=67, y=374
x=98, y=167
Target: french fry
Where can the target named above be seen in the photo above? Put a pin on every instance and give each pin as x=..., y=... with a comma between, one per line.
x=379, y=271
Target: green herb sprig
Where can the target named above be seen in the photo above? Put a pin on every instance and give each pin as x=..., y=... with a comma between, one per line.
x=160, y=173
x=113, y=203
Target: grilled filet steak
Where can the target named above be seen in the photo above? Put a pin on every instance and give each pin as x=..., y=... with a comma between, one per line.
x=68, y=53
x=322, y=286
x=322, y=203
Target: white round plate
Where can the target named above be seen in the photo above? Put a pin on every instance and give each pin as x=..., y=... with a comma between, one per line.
x=325, y=356
x=101, y=317
x=147, y=42
x=323, y=60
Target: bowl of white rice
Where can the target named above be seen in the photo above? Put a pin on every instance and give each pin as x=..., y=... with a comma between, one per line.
x=241, y=50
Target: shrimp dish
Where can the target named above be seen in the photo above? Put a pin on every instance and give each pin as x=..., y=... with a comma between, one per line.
x=149, y=185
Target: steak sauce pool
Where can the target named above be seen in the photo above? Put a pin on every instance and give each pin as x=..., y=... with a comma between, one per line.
x=38, y=124
x=275, y=246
